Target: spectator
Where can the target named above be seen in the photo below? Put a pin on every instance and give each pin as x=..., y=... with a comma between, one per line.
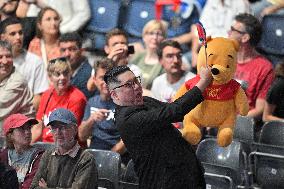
x=162, y=158
x=28, y=64
x=117, y=51
x=46, y=44
x=61, y=95
x=165, y=86
x=153, y=33
x=8, y=177
x=71, y=47
x=253, y=70
x=274, y=105
x=67, y=165
x=8, y=9
x=74, y=15
x=217, y=17
x=98, y=120
x=19, y=154
x=15, y=96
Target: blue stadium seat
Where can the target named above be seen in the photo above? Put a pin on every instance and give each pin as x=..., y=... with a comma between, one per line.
x=223, y=166
x=272, y=38
x=137, y=13
x=267, y=161
x=105, y=16
x=181, y=21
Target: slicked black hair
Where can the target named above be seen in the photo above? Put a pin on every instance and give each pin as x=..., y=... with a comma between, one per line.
x=111, y=75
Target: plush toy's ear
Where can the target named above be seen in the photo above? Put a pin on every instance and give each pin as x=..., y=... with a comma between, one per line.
x=209, y=38
x=236, y=44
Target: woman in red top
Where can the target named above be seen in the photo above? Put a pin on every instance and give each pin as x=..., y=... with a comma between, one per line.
x=61, y=95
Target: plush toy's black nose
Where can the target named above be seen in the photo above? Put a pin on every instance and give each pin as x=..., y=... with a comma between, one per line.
x=215, y=71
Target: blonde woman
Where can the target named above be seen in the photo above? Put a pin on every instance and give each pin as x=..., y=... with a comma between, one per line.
x=146, y=58
x=61, y=95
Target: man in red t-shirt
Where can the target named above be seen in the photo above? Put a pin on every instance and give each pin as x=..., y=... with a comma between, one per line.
x=254, y=72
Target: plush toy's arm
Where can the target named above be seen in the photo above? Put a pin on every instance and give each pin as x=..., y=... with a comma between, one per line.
x=182, y=90
x=241, y=102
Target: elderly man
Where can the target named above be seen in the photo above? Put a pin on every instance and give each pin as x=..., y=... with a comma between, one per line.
x=15, y=96
x=67, y=165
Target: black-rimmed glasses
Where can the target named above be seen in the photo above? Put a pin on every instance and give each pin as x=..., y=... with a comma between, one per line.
x=52, y=61
x=130, y=84
x=236, y=30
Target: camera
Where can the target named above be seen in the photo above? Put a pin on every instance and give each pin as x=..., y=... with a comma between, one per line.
x=130, y=49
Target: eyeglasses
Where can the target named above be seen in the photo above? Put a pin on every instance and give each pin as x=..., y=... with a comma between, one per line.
x=130, y=84
x=53, y=61
x=236, y=30
x=172, y=55
x=158, y=34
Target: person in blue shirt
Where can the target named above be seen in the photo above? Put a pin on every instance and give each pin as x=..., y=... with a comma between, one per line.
x=70, y=45
x=98, y=121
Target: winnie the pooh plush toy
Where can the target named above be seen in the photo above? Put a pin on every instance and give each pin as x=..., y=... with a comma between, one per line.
x=223, y=98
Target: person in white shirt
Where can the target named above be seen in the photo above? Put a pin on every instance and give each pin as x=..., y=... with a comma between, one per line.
x=165, y=86
x=75, y=13
x=27, y=64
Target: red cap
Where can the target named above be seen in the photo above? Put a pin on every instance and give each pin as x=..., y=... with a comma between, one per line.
x=15, y=121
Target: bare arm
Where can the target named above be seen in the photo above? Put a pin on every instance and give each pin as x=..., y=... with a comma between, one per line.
x=37, y=131
x=22, y=9
x=119, y=147
x=36, y=101
x=268, y=113
x=184, y=38
x=258, y=110
x=91, y=84
x=86, y=127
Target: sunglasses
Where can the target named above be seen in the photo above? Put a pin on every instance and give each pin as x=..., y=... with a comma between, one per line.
x=62, y=59
x=236, y=30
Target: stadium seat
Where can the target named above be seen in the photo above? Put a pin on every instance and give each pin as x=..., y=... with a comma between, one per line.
x=244, y=132
x=129, y=179
x=267, y=161
x=136, y=14
x=109, y=168
x=180, y=22
x=272, y=38
x=105, y=16
x=223, y=166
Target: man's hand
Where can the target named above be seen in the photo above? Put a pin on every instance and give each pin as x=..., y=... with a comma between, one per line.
x=99, y=115
x=205, y=78
x=42, y=183
x=118, y=52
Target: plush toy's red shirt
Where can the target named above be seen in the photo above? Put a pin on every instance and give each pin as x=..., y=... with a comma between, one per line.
x=216, y=92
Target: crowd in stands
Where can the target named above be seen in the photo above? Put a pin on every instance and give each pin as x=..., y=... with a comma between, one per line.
x=45, y=74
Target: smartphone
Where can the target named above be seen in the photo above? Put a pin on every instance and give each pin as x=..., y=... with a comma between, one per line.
x=131, y=49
